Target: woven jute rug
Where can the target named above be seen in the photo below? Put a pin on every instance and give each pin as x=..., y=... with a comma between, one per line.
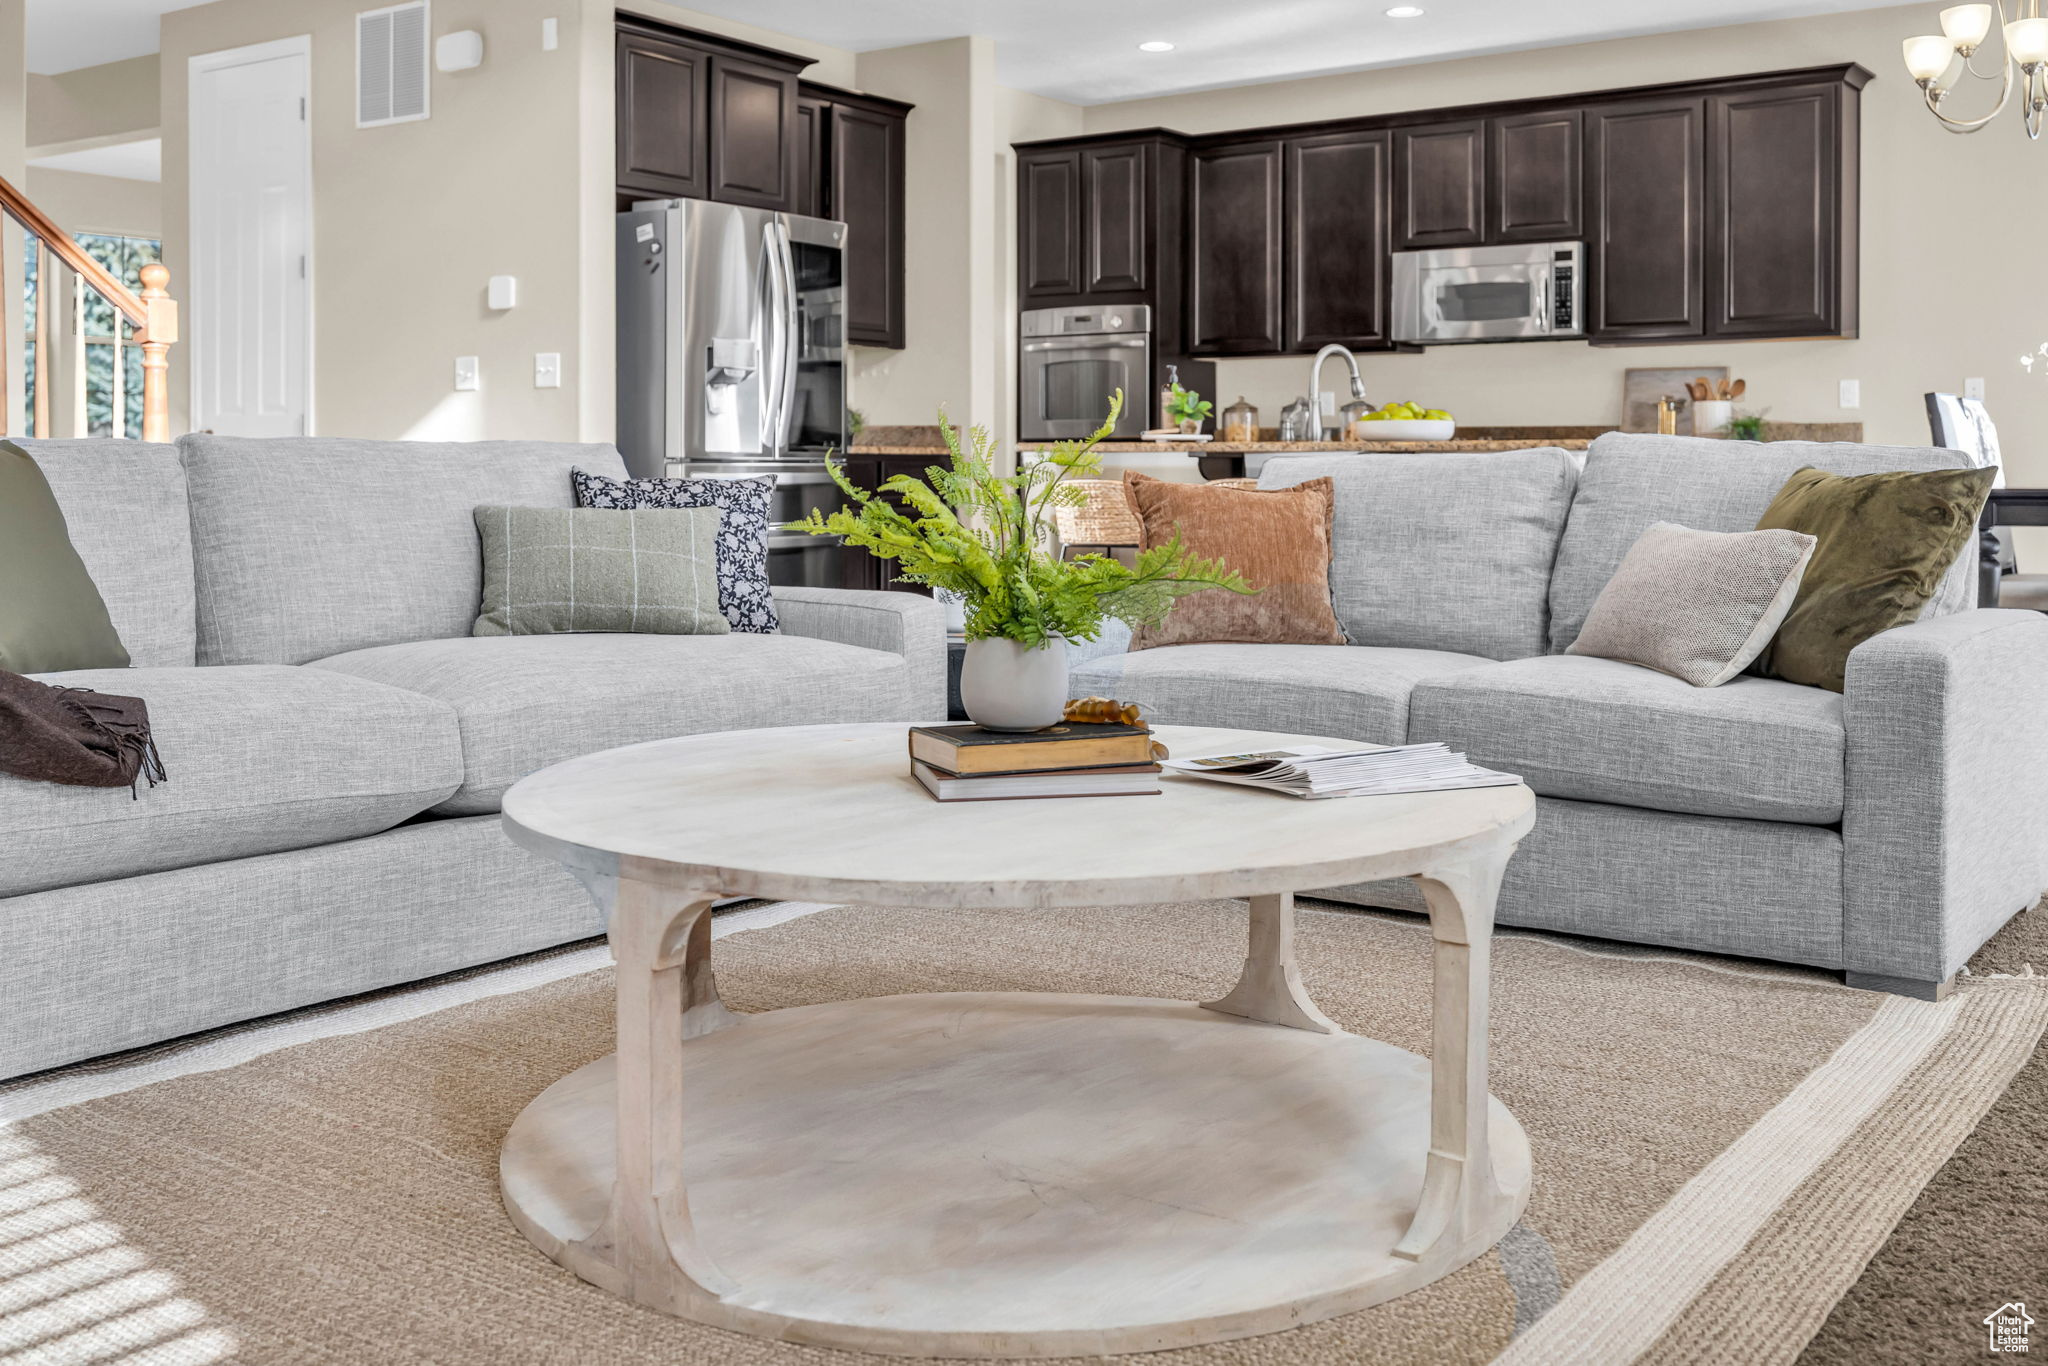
x=1719, y=1149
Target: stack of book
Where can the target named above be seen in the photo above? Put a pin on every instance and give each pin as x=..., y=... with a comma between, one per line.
x=1073, y=759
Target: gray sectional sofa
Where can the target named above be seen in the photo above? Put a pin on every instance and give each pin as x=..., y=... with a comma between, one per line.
x=297, y=614
x=1886, y=831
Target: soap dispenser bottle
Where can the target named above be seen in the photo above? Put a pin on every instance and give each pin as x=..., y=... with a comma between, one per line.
x=1166, y=389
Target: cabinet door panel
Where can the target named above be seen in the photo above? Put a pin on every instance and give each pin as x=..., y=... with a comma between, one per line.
x=1536, y=189
x=1116, y=226
x=661, y=118
x=1440, y=185
x=1336, y=244
x=867, y=195
x=812, y=196
x=1234, y=250
x=753, y=134
x=1049, y=223
x=1645, y=170
x=1774, y=212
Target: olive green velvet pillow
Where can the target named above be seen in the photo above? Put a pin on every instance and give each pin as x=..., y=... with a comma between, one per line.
x=1884, y=542
x=52, y=617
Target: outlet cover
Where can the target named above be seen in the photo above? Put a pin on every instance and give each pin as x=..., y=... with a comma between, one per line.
x=467, y=376
x=1852, y=393
x=1974, y=388
x=547, y=370
x=550, y=35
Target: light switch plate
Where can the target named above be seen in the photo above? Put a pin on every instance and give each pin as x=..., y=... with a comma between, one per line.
x=547, y=370
x=550, y=35
x=1852, y=393
x=467, y=375
x=1974, y=388
x=1326, y=402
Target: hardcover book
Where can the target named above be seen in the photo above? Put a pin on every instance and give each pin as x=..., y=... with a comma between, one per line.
x=969, y=749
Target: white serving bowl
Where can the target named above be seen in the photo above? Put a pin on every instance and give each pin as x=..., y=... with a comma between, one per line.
x=1393, y=430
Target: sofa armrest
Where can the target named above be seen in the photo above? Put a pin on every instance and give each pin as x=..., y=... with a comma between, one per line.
x=1945, y=801
x=907, y=624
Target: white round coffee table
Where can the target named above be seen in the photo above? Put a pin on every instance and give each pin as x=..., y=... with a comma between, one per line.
x=1006, y=1174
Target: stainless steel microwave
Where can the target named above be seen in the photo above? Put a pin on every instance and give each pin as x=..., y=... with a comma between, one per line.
x=1473, y=294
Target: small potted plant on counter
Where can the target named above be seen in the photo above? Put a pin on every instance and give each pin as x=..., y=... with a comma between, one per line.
x=1187, y=409
x=987, y=536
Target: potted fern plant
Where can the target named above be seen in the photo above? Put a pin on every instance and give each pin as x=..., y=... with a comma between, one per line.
x=988, y=537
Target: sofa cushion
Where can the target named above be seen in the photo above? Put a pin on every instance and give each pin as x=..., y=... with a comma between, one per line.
x=524, y=702
x=260, y=759
x=124, y=506
x=308, y=547
x=51, y=615
x=1442, y=552
x=1630, y=481
x=1600, y=730
x=1356, y=692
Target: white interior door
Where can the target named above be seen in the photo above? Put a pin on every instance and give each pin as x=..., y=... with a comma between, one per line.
x=250, y=315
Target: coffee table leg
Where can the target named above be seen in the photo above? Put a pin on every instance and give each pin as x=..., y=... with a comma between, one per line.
x=1459, y=1189
x=661, y=941
x=1270, y=987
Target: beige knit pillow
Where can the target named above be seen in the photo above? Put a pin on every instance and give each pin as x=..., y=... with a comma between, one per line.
x=1699, y=605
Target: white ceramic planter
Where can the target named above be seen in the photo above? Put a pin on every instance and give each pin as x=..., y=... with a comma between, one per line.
x=1005, y=686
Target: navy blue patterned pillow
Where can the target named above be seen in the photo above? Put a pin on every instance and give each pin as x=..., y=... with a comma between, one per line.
x=743, y=592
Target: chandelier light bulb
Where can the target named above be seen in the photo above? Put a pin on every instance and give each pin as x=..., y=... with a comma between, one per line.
x=1966, y=26
x=2027, y=40
x=1929, y=55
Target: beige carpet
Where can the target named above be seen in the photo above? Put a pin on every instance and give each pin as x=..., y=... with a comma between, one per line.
x=1718, y=1152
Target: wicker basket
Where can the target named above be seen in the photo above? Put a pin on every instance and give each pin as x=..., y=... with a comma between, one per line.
x=1105, y=519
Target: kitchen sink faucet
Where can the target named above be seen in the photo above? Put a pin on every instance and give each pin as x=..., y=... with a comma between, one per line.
x=1315, y=379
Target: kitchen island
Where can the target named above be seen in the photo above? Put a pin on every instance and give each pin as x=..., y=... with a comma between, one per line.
x=1237, y=459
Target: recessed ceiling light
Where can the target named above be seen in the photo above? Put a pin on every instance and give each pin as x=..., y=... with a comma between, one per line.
x=1155, y=46
x=1405, y=12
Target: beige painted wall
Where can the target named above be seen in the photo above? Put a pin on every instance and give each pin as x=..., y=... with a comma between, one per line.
x=952, y=238
x=1951, y=284
x=98, y=203
x=94, y=103
x=1020, y=117
x=411, y=219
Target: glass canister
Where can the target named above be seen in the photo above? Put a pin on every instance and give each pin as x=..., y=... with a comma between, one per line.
x=1240, y=422
x=1351, y=423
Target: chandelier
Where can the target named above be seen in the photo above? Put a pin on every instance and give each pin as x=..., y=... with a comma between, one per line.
x=1963, y=30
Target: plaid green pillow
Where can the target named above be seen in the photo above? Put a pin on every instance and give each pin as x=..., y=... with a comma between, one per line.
x=554, y=570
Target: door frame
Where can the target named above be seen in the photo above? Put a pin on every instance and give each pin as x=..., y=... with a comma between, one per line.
x=300, y=46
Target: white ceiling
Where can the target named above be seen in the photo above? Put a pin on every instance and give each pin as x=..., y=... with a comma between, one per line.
x=1086, y=51
x=142, y=159
x=64, y=35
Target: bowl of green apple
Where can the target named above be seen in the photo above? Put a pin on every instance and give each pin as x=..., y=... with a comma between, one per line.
x=1404, y=422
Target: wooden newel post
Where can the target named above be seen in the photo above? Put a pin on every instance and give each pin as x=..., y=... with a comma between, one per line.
x=159, y=330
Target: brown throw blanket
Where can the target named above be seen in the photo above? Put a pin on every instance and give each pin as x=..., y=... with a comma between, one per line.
x=75, y=735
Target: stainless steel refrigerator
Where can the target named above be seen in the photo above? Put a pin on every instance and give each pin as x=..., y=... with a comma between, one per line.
x=732, y=357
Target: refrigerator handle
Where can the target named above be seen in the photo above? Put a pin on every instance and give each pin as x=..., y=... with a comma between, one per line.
x=785, y=402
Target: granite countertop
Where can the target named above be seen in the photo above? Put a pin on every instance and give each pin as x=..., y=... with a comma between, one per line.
x=927, y=441
x=1570, y=443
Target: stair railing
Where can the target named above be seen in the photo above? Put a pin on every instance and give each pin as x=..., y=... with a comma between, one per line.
x=153, y=314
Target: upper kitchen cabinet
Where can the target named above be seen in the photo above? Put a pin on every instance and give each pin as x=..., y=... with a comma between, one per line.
x=865, y=156
x=1049, y=223
x=1335, y=255
x=705, y=118
x=1645, y=209
x=1234, y=249
x=662, y=93
x=813, y=153
x=1782, y=209
x=1440, y=185
x=1114, y=223
x=1535, y=186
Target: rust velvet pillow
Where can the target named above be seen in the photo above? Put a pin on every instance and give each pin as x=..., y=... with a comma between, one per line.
x=1279, y=539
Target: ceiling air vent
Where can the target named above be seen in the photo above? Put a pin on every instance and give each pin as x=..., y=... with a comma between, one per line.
x=391, y=65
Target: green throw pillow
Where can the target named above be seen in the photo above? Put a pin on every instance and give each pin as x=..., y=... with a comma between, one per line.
x=52, y=617
x=554, y=570
x=1884, y=542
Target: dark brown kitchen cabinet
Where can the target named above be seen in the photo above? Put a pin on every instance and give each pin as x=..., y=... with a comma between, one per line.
x=1535, y=182
x=1440, y=185
x=1781, y=211
x=1115, y=225
x=1335, y=259
x=867, y=194
x=813, y=156
x=1049, y=223
x=662, y=100
x=753, y=134
x=1646, y=207
x=1234, y=249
